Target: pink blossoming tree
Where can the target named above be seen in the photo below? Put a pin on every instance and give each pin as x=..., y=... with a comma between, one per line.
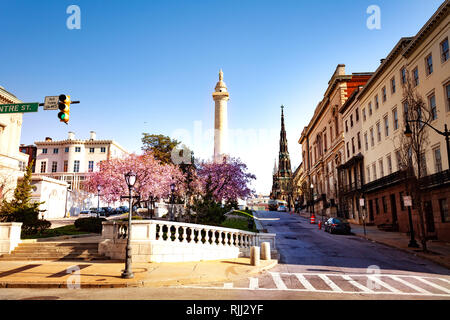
x=152, y=177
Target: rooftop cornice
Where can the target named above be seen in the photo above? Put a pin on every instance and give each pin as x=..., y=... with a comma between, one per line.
x=8, y=95
x=429, y=26
x=396, y=51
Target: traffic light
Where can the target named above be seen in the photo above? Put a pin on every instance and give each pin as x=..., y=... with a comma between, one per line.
x=64, y=106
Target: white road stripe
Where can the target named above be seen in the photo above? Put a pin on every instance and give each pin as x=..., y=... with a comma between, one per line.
x=278, y=282
x=228, y=285
x=253, y=284
x=330, y=283
x=356, y=284
x=419, y=289
x=304, y=282
x=384, y=284
x=448, y=281
x=433, y=285
x=323, y=291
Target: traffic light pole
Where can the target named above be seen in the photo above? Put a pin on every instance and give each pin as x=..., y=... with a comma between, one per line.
x=72, y=102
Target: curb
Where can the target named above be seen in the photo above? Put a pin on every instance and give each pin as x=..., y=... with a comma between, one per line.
x=198, y=280
x=132, y=284
x=417, y=254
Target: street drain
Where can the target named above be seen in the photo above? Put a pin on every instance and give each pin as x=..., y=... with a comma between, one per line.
x=42, y=298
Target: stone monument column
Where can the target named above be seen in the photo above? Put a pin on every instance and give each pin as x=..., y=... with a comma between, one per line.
x=221, y=97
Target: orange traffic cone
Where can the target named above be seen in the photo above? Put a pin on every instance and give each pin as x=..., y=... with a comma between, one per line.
x=313, y=219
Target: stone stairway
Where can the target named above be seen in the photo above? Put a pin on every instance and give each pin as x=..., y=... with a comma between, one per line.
x=60, y=251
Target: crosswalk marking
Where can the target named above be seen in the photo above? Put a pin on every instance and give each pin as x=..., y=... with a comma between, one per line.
x=384, y=284
x=278, y=282
x=434, y=285
x=356, y=284
x=253, y=284
x=330, y=283
x=304, y=282
x=406, y=283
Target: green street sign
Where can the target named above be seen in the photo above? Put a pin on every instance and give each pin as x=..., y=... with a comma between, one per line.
x=19, y=107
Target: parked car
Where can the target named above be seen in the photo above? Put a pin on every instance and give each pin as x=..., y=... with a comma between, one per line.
x=123, y=209
x=102, y=212
x=108, y=211
x=87, y=214
x=282, y=208
x=337, y=225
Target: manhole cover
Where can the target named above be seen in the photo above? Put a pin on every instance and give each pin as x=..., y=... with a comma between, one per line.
x=42, y=298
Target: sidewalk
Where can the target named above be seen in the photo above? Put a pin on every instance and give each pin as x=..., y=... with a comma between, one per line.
x=439, y=250
x=105, y=274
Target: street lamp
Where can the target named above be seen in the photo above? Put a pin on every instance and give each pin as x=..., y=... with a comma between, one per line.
x=130, y=179
x=446, y=134
x=98, y=200
x=151, y=203
x=172, y=201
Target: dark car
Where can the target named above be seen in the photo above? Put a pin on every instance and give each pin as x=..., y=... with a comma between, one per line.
x=337, y=225
x=108, y=211
x=101, y=212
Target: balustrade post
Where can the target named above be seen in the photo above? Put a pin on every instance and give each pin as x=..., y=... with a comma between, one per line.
x=184, y=235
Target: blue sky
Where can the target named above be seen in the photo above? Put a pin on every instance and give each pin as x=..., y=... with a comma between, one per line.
x=151, y=66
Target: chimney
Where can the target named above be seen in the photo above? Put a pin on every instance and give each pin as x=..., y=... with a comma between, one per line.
x=340, y=70
x=48, y=139
x=92, y=135
x=71, y=135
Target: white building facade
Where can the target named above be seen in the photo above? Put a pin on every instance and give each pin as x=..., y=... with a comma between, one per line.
x=72, y=159
x=12, y=162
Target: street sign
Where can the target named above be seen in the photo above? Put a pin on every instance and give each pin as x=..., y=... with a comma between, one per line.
x=19, y=107
x=407, y=201
x=51, y=103
x=361, y=202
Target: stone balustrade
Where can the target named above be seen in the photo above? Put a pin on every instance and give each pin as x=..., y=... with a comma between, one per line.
x=166, y=241
x=9, y=236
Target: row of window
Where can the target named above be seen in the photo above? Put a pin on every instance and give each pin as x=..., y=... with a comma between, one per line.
x=443, y=206
x=76, y=166
x=395, y=123
x=373, y=168
x=77, y=149
x=444, y=47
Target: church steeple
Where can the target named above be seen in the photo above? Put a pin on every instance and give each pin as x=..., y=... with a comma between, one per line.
x=282, y=173
x=284, y=163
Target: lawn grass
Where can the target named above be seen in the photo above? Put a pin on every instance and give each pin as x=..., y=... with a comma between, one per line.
x=243, y=213
x=68, y=230
x=238, y=224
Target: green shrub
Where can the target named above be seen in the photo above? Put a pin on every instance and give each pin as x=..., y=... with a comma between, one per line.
x=22, y=209
x=133, y=218
x=91, y=224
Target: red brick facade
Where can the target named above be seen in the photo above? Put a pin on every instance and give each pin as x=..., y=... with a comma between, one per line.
x=435, y=225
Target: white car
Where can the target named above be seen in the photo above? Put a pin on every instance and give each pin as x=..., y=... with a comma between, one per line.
x=282, y=208
x=87, y=214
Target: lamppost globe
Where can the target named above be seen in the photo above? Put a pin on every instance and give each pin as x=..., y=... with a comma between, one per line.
x=130, y=179
x=99, y=188
x=408, y=132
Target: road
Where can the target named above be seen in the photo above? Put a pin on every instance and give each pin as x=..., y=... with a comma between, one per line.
x=313, y=265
